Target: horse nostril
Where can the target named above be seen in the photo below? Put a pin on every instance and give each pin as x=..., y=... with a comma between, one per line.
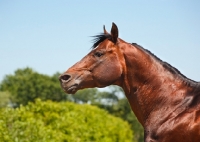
x=65, y=77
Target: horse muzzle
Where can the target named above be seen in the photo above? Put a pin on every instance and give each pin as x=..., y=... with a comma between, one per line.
x=69, y=83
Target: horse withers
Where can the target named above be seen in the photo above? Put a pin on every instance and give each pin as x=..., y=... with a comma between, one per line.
x=165, y=102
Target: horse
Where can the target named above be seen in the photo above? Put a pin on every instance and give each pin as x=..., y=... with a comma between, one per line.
x=165, y=102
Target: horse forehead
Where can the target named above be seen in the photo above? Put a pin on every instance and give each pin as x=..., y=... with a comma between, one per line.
x=105, y=45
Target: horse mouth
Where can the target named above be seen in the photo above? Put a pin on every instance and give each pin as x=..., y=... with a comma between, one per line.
x=72, y=89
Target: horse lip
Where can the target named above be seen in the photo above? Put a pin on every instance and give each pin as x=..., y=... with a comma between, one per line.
x=72, y=89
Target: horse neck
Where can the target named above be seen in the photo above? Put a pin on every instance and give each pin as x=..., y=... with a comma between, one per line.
x=147, y=83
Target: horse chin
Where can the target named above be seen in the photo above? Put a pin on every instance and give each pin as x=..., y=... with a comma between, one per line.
x=71, y=90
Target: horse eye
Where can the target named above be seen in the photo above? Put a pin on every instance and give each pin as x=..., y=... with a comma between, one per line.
x=98, y=54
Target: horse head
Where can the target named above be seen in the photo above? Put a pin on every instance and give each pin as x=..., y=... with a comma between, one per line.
x=101, y=67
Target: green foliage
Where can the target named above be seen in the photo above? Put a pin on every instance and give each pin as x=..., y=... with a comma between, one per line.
x=115, y=105
x=4, y=99
x=27, y=85
x=122, y=109
x=85, y=96
x=119, y=106
x=61, y=122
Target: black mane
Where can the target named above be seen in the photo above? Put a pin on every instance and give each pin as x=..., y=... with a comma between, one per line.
x=100, y=38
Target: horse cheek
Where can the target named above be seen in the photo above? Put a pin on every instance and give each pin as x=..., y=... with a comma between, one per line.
x=106, y=74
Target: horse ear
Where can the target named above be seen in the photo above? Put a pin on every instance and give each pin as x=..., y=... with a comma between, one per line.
x=114, y=32
x=104, y=30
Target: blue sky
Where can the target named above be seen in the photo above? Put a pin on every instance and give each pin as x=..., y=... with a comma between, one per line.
x=50, y=36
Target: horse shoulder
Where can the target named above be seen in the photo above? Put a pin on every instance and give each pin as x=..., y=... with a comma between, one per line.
x=185, y=127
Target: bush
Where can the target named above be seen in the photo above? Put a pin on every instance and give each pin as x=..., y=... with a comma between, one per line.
x=61, y=122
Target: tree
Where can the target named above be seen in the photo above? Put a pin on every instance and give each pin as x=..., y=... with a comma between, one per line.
x=4, y=99
x=27, y=85
x=85, y=96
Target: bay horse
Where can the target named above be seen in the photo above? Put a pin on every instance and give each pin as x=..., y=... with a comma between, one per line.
x=165, y=102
